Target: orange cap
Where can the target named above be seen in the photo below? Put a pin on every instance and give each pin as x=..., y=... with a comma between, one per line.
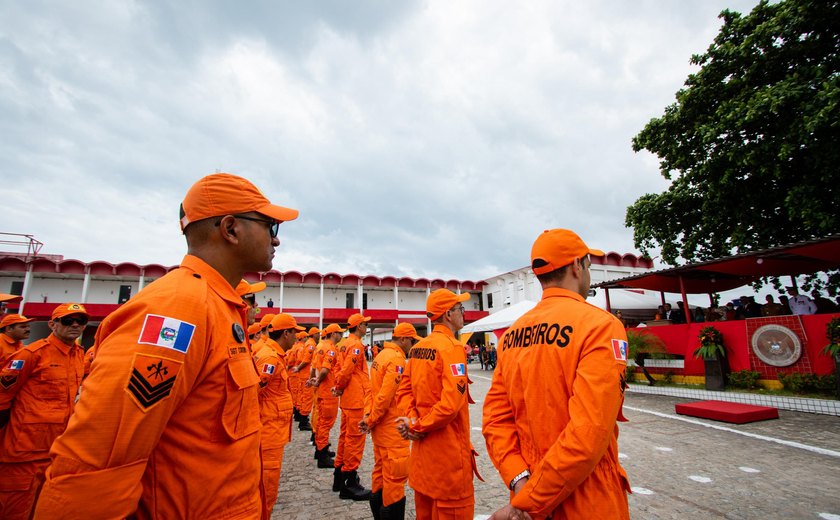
x=254, y=328
x=14, y=319
x=10, y=297
x=405, y=330
x=556, y=248
x=302, y=335
x=314, y=330
x=225, y=194
x=332, y=327
x=441, y=301
x=356, y=319
x=265, y=320
x=284, y=321
x=66, y=309
x=244, y=287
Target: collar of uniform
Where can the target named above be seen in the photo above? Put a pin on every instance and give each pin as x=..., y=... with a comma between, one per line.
x=215, y=280
x=392, y=346
x=60, y=345
x=443, y=329
x=7, y=339
x=555, y=292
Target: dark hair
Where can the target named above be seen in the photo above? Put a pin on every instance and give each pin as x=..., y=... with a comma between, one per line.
x=553, y=276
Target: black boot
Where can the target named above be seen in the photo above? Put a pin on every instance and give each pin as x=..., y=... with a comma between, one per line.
x=352, y=489
x=330, y=453
x=296, y=414
x=376, y=504
x=304, y=425
x=324, y=459
x=338, y=478
x=395, y=511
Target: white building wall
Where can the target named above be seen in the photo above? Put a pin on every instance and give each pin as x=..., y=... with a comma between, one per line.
x=56, y=290
x=108, y=291
x=412, y=299
x=297, y=297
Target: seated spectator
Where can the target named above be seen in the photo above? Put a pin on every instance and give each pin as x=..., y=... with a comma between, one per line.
x=699, y=315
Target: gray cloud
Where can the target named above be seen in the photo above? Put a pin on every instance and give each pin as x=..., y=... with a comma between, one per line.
x=424, y=139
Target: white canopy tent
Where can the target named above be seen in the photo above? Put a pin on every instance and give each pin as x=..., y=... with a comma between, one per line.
x=500, y=320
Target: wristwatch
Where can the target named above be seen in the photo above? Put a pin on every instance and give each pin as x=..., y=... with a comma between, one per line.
x=519, y=477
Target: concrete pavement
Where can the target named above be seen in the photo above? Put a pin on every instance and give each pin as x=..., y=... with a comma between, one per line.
x=679, y=467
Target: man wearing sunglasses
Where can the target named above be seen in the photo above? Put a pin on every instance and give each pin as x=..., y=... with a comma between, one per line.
x=390, y=450
x=38, y=387
x=168, y=424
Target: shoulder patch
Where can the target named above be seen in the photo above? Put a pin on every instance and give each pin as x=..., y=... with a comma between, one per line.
x=268, y=369
x=8, y=381
x=16, y=364
x=458, y=369
x=398, y=369
x=620, y=349
x=356, y=352
x=166, y=332
x=152, y=379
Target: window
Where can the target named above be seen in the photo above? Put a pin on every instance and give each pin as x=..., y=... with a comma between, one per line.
x=125, y=294
x=490, y=300
x=364, y=301
x=351, y=301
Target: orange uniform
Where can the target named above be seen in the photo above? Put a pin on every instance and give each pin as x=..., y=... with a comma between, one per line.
x=353, y=381
x=434, y=392
x=275, y=415
x=8, y=346
x=390, y=450
x=38, y=387
x=327, y=403
x=168, y=422
x=306, y=394
x=552, y=408
x=294, y=379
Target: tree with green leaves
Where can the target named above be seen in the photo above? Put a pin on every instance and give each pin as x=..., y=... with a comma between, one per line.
x=751, y=145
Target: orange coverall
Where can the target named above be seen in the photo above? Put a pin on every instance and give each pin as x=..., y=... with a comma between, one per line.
x=168, y=422
x=327, y=403
x=294, y=379
x=434, y=391
x=38, y=385
x=390, y=450
x=8, y=346
x=306, y=394
x=275, y=415
x=353, y=380
x=552, y=408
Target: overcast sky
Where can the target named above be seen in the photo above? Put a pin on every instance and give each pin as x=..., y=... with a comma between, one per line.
x=431, y=139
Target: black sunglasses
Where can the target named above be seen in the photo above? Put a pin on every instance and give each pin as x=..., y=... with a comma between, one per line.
x=70, y=320
x=273, y=225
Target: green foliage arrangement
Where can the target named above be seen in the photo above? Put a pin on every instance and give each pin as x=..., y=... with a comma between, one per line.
x=807, y=383
x=832, y=333
x=750, y=144
x=711, y=344
x=744, y=379
x=642, y=343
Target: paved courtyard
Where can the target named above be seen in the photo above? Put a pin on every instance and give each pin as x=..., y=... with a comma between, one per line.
x=679, y=467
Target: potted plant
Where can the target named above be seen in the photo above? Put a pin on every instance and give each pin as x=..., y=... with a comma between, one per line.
x=640, y=346
x=713, y=353
x=832, y=333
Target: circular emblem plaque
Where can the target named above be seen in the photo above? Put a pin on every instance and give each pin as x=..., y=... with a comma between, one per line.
x=776, y=345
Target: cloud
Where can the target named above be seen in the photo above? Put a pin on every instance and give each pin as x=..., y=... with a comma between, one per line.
x=424, y=139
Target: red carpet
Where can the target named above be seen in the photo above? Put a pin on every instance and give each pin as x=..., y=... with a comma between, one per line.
x=727, y=412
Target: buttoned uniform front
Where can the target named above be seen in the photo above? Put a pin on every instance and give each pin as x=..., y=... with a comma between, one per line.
x=390, y=450
x=275, y=414
x=295, y=382
x=552, y=408
x=326, y=357
x=353, y=381
x=168, y=421
x=434, y=391
x=38, y=385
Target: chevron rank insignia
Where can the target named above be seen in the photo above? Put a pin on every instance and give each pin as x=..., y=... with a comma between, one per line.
x=152, y=379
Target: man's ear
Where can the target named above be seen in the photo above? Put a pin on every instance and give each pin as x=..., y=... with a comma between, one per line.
x=227, y=228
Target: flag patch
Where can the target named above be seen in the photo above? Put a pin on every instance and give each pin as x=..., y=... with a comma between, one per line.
x=399, y=369
x=16, y=364
x=166, y=332
x=268, y=369
x=620, y=349
x=458, y=369
x=356, y=352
